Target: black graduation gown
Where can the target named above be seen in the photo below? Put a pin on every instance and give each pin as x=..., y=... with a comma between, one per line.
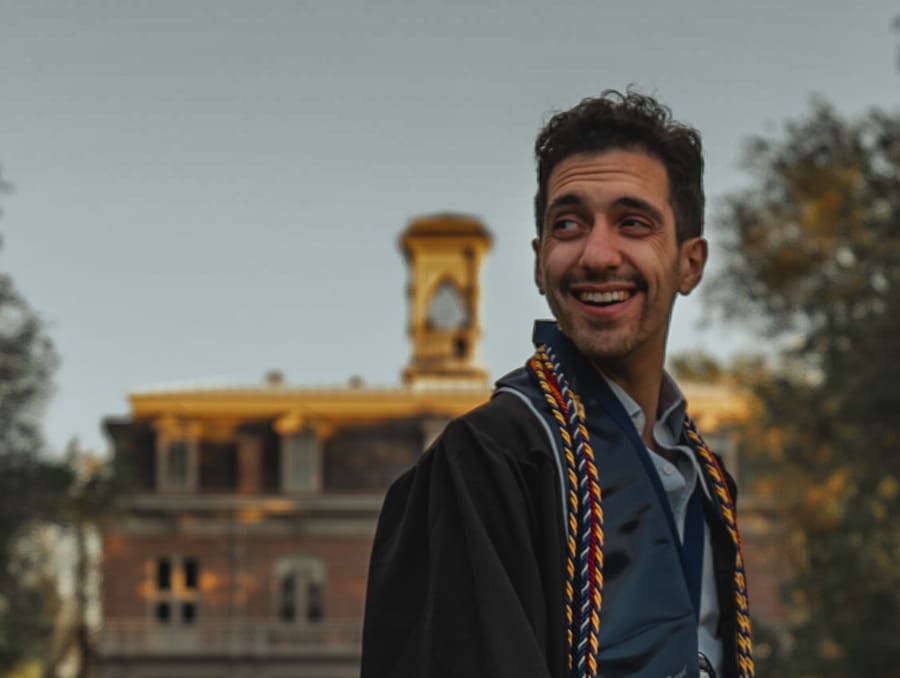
x=466, y=569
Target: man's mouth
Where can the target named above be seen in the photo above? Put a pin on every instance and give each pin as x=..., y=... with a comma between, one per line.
x=602, y=298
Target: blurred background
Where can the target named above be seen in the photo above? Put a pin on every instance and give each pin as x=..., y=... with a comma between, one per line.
x=202, y=209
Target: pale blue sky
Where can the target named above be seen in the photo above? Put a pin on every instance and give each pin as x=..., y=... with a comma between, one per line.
x=208, y=190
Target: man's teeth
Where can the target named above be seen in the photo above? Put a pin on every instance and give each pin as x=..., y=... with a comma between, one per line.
x=603, y=297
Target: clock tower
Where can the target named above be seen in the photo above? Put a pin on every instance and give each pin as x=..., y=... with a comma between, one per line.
x=444, y=253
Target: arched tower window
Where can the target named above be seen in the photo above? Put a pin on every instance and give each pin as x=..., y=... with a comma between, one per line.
x=447, y=310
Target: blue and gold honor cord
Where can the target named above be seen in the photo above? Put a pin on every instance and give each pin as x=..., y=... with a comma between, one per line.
x=584, y=542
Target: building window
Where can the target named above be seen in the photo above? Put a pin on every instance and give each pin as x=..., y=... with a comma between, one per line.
x=176, y=464
x=315, y=606
x=176, y=595
x=300, y=589
x=164, y=574
x=300, y=462
x=287, y=610
x=190, y=574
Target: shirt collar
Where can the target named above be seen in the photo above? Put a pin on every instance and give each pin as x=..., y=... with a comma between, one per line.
x=672, y=407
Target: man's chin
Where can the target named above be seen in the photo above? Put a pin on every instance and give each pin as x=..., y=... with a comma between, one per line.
x=604, y=355
x=599, y=347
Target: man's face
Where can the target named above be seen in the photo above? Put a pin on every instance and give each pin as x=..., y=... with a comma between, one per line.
x=608, y=259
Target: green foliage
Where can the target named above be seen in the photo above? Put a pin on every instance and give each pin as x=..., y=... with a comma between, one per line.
x=813, y=258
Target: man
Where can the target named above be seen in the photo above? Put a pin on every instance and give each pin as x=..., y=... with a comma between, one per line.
x=576, y=525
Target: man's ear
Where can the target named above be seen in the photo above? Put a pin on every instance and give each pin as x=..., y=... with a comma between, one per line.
x=693, y=253
x=538, y=273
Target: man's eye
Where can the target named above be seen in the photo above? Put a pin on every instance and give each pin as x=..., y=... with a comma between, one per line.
x=635, y=223
x=565, y=225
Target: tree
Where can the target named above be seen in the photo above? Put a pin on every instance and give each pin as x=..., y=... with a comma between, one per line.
x=813, y=258
x=46, y=504
x=90, y=501
x=32, y=489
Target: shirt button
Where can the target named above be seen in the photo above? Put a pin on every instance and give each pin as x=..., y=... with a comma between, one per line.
x=668, y=469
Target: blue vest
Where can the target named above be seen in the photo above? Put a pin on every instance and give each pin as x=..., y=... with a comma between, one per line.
x=647, y=624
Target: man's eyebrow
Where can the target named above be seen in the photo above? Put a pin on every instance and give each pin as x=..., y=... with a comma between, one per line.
x=642, y=205
x=565, y=200
x=631, y=202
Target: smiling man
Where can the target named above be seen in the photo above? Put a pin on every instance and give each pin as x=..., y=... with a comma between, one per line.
x=577, y=525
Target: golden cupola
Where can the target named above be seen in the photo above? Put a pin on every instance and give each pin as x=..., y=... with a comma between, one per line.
x=444, y=253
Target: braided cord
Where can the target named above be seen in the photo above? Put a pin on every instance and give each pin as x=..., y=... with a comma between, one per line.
x=584, y=543
x=714, y=475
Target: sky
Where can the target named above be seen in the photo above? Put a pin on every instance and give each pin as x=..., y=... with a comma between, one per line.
x=207, y=190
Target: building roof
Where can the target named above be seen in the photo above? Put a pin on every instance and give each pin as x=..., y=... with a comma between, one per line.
x=446, y=224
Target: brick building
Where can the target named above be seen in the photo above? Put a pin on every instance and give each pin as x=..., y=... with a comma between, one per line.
x=243, y=549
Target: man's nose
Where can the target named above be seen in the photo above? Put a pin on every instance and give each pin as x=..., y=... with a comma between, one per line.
x=601, y=248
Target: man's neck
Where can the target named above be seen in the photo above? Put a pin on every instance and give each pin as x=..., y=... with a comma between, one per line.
x=643, y=386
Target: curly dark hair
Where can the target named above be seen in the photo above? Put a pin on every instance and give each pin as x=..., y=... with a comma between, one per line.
x=629, y=121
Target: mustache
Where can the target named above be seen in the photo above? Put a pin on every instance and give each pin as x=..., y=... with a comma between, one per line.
x=634, y=278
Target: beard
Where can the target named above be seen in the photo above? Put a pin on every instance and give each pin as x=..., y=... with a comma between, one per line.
x=610, y=340
x=600, y=341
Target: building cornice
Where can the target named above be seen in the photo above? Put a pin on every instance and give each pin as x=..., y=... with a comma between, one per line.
x=348, y=405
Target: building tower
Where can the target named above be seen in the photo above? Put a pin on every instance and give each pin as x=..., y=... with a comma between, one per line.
x=444, y=253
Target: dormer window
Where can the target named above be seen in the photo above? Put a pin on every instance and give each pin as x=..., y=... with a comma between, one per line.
x=177, y=464
x=300, y=463
x=176, y=467
x=176, y=455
